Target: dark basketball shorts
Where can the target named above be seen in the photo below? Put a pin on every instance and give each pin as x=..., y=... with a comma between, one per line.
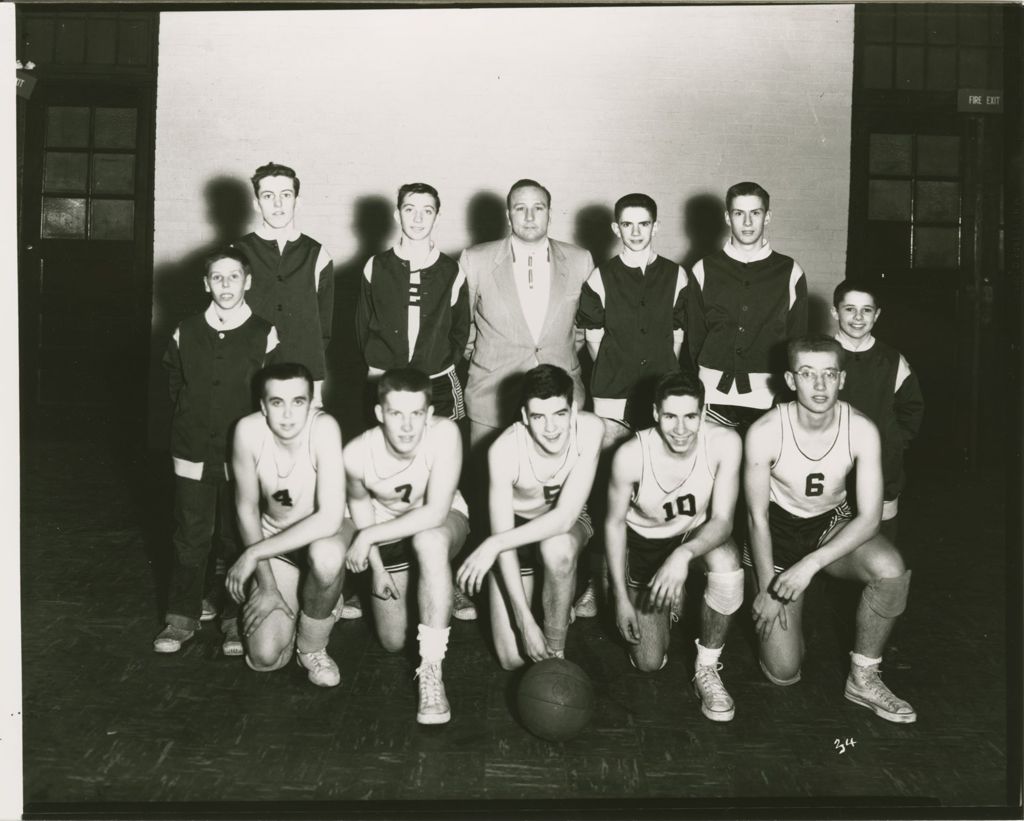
x=645, y=555
x=446, y=394
x=397, y=556
x=794, y=537
x=529, y=554
x=735, y=416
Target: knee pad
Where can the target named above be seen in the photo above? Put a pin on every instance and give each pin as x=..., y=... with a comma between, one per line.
x=888, y=597
x=724, y=592
x=779, y=681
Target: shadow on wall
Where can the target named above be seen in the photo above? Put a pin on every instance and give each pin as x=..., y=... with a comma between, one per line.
x=345, y=388
x=592, y=230
x=178, y=287
x=486, y=220
x=705, y=231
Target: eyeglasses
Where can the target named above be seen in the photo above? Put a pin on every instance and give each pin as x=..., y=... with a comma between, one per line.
x=811, y=375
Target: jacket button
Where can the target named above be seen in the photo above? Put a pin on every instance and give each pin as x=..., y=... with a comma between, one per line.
x=280, y=308
x=643, y=361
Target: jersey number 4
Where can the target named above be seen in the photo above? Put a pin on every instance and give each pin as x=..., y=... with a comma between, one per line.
x=685, y=505
x=405, y=491
x=815, y=485
x=283, y=497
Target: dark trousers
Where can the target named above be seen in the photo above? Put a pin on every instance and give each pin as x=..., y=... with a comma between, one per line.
x=200, y=509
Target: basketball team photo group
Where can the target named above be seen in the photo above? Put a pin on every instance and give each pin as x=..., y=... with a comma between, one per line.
x=481, y=409
x=493, y=482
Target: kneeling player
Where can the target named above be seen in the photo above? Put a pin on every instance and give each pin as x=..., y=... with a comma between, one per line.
x=403, y=477
x=798, y=457
x=289, y=456
x=671, y=500
x=541, y=471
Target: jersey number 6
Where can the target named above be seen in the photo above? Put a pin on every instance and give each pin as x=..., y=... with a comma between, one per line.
x=815, y=485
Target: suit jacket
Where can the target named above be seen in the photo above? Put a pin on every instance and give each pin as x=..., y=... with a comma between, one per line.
x=501, y=346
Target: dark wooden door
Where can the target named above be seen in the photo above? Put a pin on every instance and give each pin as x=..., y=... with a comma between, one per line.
x=84, y=270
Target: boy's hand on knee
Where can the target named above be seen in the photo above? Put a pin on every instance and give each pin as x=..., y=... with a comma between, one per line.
x=627, y=622
x=475, y=568
x=384, y=586
x=766, y=610
x=666, y=588
x=261, y=604
x=793, y=581
x=358, y=554
x=239, y=575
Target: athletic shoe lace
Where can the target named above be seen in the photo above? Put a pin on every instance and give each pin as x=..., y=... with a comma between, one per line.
x=710, y=683
x=871, y=681
x=318, y=661
x=430, y=684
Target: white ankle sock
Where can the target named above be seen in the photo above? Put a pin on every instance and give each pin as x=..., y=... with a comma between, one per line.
x=706, y=656
x=312, y=634
x=433, y=643
x=864, y=661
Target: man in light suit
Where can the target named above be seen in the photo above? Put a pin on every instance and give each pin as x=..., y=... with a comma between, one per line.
x=523, y=295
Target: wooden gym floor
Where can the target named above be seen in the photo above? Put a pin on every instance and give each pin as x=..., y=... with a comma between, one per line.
x=108, y=721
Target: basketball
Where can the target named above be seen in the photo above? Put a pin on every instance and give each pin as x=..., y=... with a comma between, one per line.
x=555, y=699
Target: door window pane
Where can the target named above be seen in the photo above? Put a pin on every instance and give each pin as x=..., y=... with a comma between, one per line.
x=115, y=128
x=878, y=67
x=113, y=174
x=941, y=69
x=889, y=200
x=888, y=246
x=935, y=247
x=65, y=172
x=67, y=126
x=937, y=202
x=112, y=219
x=941, y=25
x=63, y=218
x=890, y=154
x=973, y=67
x=938, y=156
x=910, y=67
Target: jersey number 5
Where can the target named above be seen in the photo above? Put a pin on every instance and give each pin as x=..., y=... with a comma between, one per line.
x=815, y=485
x=551, y=493
x=686, y=505
x=406, y=491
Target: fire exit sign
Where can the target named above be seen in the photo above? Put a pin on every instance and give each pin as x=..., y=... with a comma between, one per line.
x=979, y=100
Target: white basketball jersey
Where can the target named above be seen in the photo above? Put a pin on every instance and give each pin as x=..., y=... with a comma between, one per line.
x=533, y=495
x=399, y=492
x=658, y=510
x=287, y=479
x=805, y=486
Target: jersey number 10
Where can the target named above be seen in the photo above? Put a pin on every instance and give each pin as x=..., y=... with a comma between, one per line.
x=686, y=505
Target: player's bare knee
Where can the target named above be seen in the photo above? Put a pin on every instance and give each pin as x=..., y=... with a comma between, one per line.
x=781, y=674
x=392, y=643
x=649, y=662
x=887, y=596
x=559, y=556
x=265, y=656
x=724, y=591
x=723, y=559
x=430, y=542
x=326, y=559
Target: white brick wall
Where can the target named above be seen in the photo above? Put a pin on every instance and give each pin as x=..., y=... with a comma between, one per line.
x=593, y=102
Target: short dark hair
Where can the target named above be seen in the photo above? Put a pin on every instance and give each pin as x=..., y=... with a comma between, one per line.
x=544, y=382
x=273, y=169
x=679, y=383
x=282, y=371
x=813, y=343
x=525, y=183
x=418, y=188
x=746, y=189
x=865, y=287
x=409, y=380
x=229, y=252
x=636, y=201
